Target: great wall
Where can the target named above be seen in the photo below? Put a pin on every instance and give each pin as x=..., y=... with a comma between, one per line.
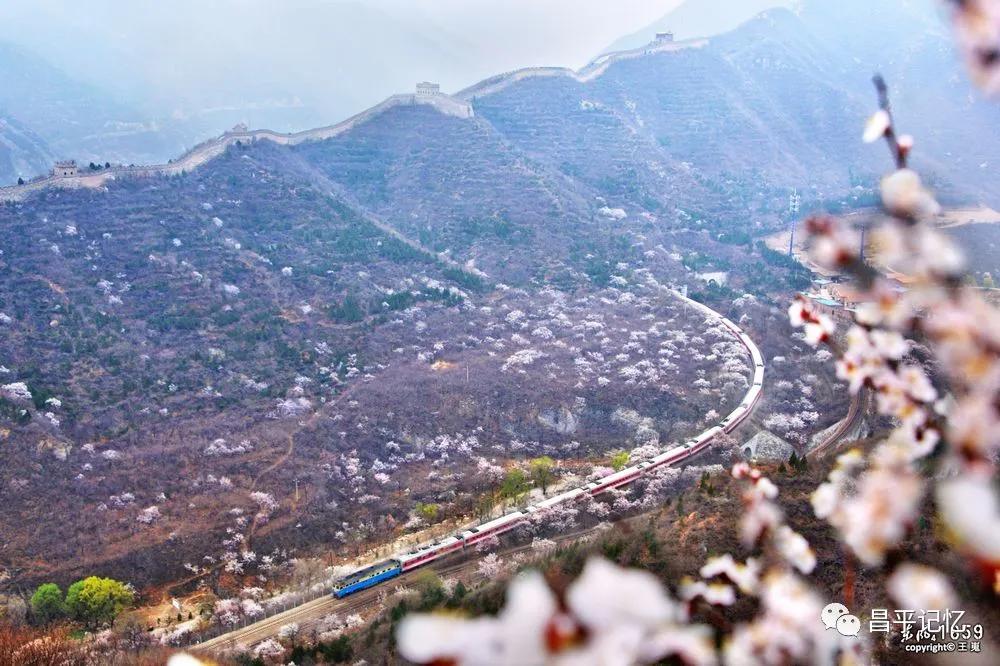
x=588, y=73
x=460, y=105
x=207, y=150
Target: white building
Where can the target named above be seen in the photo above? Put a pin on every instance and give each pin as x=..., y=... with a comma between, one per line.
x=427, y=89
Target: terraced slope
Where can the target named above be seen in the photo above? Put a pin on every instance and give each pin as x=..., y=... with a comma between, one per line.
x=227, y=259
x=911, y=44
x=571, y=127
x=302, y=321
x=741, y=104
x=777, y=103
x=758, y=100
x=458, y=186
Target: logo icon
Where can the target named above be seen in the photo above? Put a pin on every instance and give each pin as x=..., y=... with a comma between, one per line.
x=836, y=616
x=832, y=613
x=849, y=625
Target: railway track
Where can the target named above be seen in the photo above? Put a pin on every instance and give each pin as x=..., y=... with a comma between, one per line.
x=308, y=615
x=854, y=414
x=433, y=555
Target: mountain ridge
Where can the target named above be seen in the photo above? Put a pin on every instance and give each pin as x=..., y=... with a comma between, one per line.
x=72, y=115
x=210, y=148
x=762, y=58
x=22, y=152
x=692, y=20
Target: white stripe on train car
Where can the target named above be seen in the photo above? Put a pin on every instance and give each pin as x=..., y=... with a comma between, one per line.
x=449, y=545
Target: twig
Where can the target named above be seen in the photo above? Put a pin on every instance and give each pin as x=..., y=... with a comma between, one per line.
x=898, y=151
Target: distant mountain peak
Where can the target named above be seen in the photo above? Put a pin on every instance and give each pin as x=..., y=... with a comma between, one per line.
x=22, y=152
x=698, y=18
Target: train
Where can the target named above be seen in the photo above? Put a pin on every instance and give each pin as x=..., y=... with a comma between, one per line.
x=422, y=555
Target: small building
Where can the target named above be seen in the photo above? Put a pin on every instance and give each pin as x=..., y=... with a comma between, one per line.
x=664, y=37
x=824, y=305
x=65, y=169
x=427, y=89
x=845, y=293
x=833, y=302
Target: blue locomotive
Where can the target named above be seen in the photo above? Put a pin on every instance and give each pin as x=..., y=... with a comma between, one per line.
x=365, y=578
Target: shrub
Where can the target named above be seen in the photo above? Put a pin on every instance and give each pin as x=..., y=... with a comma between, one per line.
x=96, y=601
x=47, y=603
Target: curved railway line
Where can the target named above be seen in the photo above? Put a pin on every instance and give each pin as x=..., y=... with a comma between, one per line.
x=363, y=582
x=308, y=615
x=854, y=413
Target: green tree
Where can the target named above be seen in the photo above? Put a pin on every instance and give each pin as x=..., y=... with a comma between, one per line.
x=619, y=460
x=458, y=593
x=542, y=472
x=793, y=462
x=339, y=650
x=349, y=311
x=47, y=602
x=485, y=504
x=988, y=282
x=96, y=601
x=514, y=484
x=428, y=584
x=427, y=511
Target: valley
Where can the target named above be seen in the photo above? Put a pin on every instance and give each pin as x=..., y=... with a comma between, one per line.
x=232, y=378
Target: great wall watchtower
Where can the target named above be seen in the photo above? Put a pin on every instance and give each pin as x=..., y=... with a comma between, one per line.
x=65, y=169
x=430, y=93
x=664, y=37
x=428, y=89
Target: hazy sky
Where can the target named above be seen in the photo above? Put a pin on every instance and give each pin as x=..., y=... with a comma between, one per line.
x=566, y=32
x=189, y=57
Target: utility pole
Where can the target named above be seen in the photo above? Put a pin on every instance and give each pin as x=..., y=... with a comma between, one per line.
x=794, y=203
x=794, y=207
